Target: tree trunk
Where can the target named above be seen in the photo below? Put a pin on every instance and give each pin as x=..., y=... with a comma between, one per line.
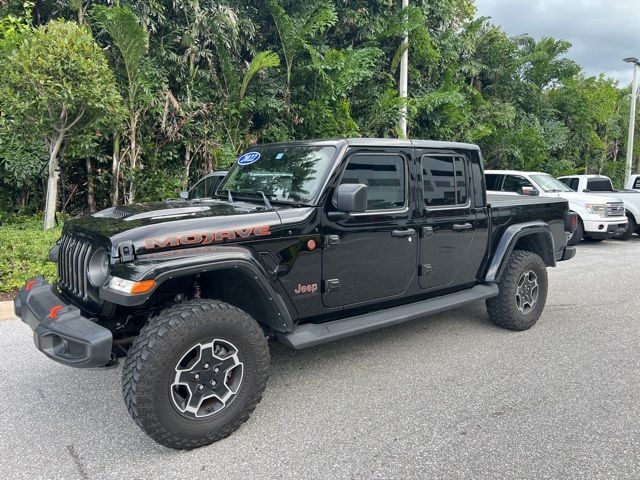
x=91, y=202
x=133, y=155
x=187, y=167
x=115, y=171
x=52, y=182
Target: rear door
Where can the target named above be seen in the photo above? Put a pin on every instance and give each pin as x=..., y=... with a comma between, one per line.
x=449, y=222
x=372, y=255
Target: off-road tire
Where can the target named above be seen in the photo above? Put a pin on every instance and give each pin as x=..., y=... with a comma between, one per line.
x=151, y=360
x=503, y=309
x=577, y=234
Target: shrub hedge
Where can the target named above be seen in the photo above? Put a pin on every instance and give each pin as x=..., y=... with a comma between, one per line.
x=24, y=247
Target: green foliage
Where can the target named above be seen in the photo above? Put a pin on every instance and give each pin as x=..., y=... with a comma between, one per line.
x=23, y=251
x=202, y=81
x=55, y=79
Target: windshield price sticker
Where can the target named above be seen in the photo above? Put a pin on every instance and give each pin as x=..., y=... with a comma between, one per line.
x=249, y=158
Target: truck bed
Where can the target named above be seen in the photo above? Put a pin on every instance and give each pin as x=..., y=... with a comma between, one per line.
x=507, y=210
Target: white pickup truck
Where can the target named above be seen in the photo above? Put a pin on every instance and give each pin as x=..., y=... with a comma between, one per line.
x=598, y=217
x=602, y=186
x=634, y=182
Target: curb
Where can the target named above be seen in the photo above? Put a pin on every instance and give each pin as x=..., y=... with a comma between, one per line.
x=6, y=310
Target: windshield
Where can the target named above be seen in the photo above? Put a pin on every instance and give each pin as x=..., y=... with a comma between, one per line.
x=288, y=174
x=549, y=184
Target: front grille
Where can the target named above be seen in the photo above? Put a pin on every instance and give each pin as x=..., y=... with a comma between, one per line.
x=73, y=260
x=615, y=209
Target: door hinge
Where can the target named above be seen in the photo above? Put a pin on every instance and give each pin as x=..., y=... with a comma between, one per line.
x=426, y=231
x=424, y=270
x=331, y=240
x=331, y=285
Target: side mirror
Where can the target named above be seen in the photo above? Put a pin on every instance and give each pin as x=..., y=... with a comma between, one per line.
x=530, y=191
x=184, y=195
x=352, y=197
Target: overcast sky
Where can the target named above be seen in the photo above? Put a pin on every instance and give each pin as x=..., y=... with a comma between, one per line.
x=602, y=32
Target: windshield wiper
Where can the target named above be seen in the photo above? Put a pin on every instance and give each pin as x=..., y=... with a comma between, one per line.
x=267, y=204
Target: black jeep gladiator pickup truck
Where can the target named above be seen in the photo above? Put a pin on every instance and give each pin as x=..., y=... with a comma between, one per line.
x=304, y=242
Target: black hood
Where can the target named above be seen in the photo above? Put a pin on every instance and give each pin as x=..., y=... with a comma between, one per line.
x=164, y=225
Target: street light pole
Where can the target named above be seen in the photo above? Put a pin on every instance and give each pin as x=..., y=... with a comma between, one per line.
x=632, y=118
x=404, y=67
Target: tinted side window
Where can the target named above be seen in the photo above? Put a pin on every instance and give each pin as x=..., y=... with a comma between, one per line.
x=444, y=181
x=384, y=176
x=636, y=183
x=198, y=191
x=514, y=183
x=461, y=180
x=494, y=181
x=573, y=184
x=212, y=185
x=566, y=181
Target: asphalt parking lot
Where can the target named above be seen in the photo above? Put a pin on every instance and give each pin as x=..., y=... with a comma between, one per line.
x=450, y=396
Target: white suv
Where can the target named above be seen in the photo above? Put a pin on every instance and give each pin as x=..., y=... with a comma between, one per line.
x=602, y=186
x=598, y=217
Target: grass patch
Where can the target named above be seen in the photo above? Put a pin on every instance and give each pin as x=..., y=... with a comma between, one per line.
x=24, y=247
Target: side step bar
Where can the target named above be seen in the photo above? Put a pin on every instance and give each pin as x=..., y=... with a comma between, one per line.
x=311, y=334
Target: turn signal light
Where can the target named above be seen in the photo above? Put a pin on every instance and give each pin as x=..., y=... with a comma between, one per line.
x=131, y=287
x=143, y=287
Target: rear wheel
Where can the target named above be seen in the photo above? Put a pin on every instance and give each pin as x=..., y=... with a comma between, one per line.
x=195, y=373
x=523, y=292
x=575, y=237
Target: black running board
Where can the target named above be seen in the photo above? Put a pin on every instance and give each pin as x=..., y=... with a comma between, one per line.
x=311, y=334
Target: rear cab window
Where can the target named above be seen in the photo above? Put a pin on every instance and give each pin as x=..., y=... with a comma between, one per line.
x=599, y=185
x=444, y=181
x=494, y=181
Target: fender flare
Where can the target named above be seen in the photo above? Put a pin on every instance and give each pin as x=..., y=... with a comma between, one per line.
x=147, y=267
x=508, y=242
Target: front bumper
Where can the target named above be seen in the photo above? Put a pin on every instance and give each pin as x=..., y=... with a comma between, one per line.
x=605, y=228
x=60, y=331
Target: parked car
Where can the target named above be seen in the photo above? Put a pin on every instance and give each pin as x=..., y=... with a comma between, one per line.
x=602, y=186
x=598, y=217
x=633, y=183
x=363, y=234
x=206, y=186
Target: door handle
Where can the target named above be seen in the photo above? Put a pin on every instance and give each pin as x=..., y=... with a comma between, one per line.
x=459, y=227
x=403, y=233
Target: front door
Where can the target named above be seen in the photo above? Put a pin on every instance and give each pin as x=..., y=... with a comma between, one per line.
x=372, y=255
x=449, y=223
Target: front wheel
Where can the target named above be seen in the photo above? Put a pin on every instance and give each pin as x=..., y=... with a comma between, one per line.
x=523, y=292
x=195, y=373
x=573, y=238
x=632, y=226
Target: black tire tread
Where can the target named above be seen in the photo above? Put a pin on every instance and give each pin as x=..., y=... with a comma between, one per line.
x=577, y=235
x=501, y=307
x=154, y=336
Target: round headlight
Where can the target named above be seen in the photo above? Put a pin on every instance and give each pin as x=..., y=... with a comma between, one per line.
x=98, y=267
